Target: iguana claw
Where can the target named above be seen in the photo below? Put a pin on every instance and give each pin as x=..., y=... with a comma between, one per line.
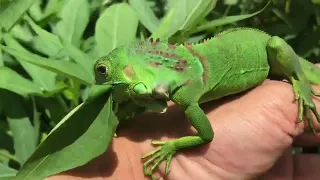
x=304, y=96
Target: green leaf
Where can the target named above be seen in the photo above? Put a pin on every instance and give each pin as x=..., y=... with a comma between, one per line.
x=163, y=32
x=6, y=157
x=46, y=48
x=21, y=32
x=48, y=41
x=14, y=82
x=6, y=171
x=6, y=145
x=80, y=57
x=306, y=45
x=46, y=79
x=226, y=20
x=24, y=134
x=316, y=2
x=65, y=68
x=36, y=120
x=297, y=22
x=94, y=53
x=196, y=39
x=196, y=11
x=230, y=2
x=56, y=107
x=74, y=19
x=14, y=12
x=286, y=18
x=82, y=135
x=183, y=15
x=52, y=7
x=116, y=26
x=145, y=14
x=1, y=58
x=35, y=10
x=59, y=45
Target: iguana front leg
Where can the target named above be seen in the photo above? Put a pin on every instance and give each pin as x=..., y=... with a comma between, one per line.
x=285, y=63
x=167, y=150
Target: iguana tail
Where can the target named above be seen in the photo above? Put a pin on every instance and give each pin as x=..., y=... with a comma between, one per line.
x=311, y=71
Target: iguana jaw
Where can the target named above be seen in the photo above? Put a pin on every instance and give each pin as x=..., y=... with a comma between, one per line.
x=114, y=83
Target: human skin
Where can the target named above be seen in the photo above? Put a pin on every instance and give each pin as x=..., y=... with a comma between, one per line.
x=254, y=134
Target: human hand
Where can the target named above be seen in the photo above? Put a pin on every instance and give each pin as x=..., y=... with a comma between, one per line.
x=254, y=133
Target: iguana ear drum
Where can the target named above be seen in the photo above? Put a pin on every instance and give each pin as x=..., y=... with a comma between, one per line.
x=102, y=69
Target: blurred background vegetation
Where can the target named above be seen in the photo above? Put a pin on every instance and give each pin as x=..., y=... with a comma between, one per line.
x=48, y=48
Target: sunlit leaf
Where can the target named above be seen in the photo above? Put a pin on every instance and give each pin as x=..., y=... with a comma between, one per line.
x=14, y=82
x=46, y=79
x=163, y=31
x=196, y=11
x=1, y=58
x=48, y=41
x=116, y=26
x=145, y=14
x=61, y=45
x=35, y=10
x=14, y=12
x=183, y=15
x=24, y=134
x=74, y=19
x=227, y=20
x=6, y=172
x=65, y=68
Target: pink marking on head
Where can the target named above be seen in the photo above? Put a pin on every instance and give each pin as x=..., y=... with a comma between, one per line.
x=128, y=71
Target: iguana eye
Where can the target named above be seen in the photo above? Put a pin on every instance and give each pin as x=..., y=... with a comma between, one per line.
x=102, y=69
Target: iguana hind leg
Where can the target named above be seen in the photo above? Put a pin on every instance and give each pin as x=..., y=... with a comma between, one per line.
x=285, y=63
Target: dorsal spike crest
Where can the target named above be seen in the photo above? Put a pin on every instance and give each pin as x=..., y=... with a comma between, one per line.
x=141, y=43
x=187, y=43
x=237, y=29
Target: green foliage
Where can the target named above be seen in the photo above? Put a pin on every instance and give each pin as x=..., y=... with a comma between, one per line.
x=72, y=143
x=110, y=32
x=49, y=108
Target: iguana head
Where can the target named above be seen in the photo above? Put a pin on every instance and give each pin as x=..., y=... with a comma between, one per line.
x=137, y=74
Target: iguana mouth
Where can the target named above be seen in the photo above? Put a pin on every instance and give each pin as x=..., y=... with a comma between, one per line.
x=113, y=83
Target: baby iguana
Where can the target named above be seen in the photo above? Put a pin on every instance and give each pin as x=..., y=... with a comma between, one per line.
x=148, y=74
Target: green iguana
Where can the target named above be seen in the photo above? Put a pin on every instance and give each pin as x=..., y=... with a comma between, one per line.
x=148, y=74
